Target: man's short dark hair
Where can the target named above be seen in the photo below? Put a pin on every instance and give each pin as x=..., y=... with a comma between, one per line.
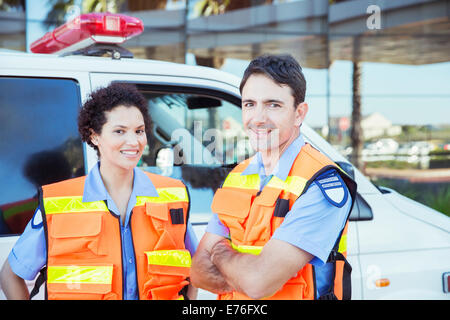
x=283, y=69
x=92, y=115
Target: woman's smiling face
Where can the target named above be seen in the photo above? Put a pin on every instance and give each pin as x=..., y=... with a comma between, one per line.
x=122, y=139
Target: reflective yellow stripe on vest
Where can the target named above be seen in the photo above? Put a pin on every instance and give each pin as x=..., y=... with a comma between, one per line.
x=171, y=258
x=236, y=180
x=343, y=244
x=72, y=204
x=75, y=204
x=80, y=274
x=247, y=249
x=292, y=184
x=165, y=195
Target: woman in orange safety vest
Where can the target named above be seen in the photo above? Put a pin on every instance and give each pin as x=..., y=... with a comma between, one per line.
x=117, y=233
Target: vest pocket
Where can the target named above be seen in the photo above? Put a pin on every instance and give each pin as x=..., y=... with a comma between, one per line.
x=167, y=292
x=157, y=210
x=232, y=203
x=167, y=271
x=168, y=221
x=169, y=262
x=233, y=208
x=71, y=282
x=76, y=233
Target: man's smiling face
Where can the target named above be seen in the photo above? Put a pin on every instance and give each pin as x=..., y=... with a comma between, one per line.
x=269, y=115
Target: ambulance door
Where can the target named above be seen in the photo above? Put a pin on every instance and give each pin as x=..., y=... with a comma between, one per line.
x=40, y=142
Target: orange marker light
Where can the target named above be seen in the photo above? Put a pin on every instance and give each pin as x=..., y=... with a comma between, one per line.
x=384, y=282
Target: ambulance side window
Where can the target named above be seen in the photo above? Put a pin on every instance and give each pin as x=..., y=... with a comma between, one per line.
x=182, y=117
x=39, y=142
x=204, y=128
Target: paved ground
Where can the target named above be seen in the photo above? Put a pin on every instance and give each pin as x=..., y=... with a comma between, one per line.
x=413, y=175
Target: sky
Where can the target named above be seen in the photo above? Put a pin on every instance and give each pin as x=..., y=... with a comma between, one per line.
x=404, y=94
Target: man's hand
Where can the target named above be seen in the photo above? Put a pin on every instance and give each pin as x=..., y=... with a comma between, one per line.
x=222, y=252
x=204, y=273
x=262, y=275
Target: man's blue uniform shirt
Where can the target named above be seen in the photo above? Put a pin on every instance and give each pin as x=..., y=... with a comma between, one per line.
x=313, y=224
x=28, y=255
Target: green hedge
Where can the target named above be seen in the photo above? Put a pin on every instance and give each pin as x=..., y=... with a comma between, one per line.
x=434, y=195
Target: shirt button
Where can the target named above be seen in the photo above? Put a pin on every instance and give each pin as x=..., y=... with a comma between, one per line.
x=130, y=261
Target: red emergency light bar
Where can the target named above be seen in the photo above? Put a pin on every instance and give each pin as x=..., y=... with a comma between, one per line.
x=86, y=30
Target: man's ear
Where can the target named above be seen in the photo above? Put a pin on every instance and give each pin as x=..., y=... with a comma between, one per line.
x=300, y=113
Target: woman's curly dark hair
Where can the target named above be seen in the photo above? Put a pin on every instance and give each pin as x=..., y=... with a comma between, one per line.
x=92, y=115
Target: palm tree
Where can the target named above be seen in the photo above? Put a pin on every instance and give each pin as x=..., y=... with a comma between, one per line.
x=356, y=134
x=213, y=7
x=58, y=11
x=6, y=5
x=59, y=8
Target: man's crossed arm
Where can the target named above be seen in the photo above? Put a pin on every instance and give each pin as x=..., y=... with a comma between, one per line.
x=218, y=268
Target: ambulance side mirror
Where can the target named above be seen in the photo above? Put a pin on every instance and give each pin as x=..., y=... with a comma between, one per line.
x=347, y=167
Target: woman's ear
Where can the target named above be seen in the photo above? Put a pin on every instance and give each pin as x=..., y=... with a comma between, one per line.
x=94, y=137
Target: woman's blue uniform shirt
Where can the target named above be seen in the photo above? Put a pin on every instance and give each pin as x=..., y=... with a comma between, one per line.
x=313, y=223
x=28, y=255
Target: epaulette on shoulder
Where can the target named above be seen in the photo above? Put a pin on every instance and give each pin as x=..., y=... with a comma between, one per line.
x=333, y=187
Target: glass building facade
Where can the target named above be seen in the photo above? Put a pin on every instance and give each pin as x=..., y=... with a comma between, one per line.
x=377, y=71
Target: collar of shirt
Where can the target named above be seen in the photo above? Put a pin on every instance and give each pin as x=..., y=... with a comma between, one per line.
x=94, y=189
x=284, y=164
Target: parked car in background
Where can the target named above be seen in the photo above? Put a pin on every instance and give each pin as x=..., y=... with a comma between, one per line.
x=386, y=146
x=446, y=146
x=398, y=248
x=416, y=148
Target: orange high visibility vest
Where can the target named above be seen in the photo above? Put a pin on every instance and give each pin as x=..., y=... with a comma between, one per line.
x=253, y=216
x=84, y=251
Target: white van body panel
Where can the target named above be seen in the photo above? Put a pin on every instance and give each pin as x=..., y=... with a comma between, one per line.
x=405, y=242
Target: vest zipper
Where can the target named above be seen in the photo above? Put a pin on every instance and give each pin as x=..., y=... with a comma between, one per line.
x=187, y=214
x=134, y=256
x=121, y=249
x=44, y=221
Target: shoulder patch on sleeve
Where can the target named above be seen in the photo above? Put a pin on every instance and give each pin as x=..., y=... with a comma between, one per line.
x=333, y=188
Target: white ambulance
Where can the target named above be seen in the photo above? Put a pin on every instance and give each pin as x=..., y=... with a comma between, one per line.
x=398, y=248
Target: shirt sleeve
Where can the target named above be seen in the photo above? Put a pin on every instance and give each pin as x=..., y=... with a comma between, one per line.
x=217, y=227
x=28, y=255
x=313, y=224
x=191, y=241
